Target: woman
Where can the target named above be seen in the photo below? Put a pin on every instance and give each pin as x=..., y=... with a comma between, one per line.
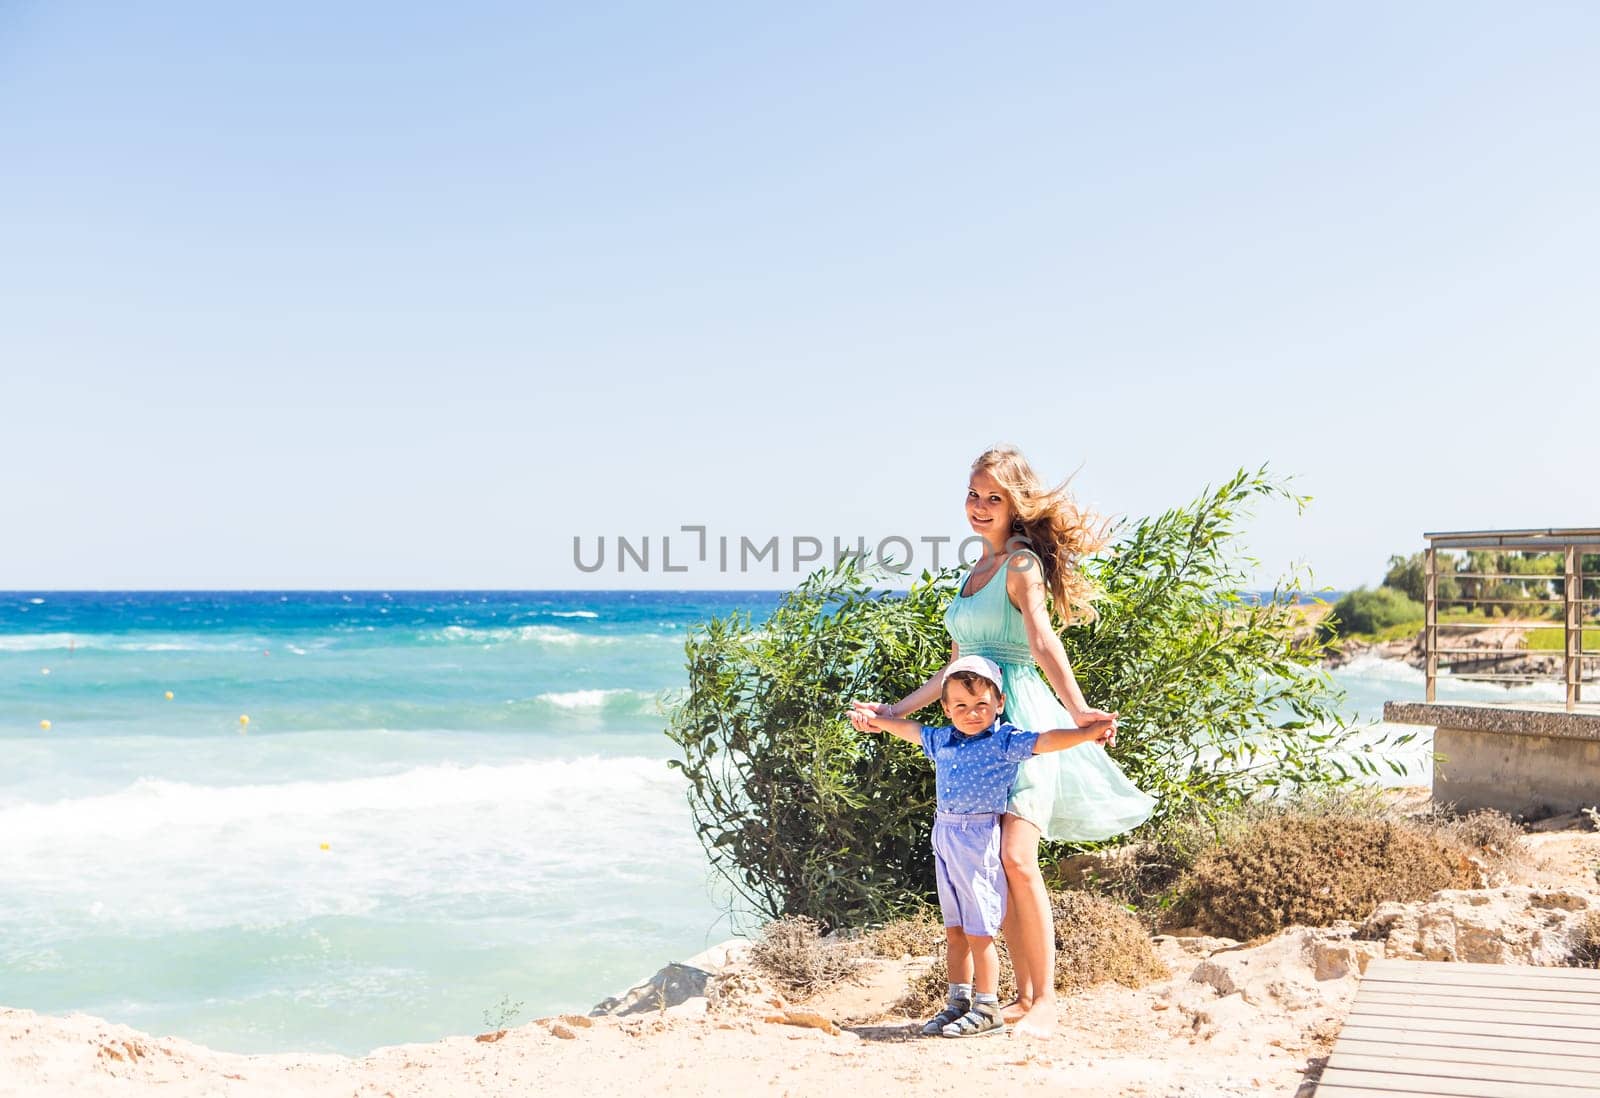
x=1033, y=536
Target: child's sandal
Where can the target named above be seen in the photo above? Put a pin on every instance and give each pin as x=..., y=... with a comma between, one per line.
x=977, y=1022
x=934, y=1027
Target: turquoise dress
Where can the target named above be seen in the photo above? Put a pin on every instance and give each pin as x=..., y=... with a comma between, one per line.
x=1079, y=794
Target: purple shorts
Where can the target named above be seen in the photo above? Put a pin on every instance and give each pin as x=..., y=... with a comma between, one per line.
x=966, y=866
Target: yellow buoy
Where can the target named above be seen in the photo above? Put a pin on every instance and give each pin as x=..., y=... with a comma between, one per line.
x=45, y=725
x=169, y=695
x=325, y=846
x=244, y=720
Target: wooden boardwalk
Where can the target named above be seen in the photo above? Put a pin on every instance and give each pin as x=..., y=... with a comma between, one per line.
x=1468, y=1031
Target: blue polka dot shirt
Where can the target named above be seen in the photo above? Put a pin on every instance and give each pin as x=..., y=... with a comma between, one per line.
x=974, y=773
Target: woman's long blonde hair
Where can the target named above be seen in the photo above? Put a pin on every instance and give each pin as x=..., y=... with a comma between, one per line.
x=1055, y=529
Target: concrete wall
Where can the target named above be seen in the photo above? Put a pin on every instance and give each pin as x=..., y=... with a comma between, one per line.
x=1531, y=776
x=1531, y=760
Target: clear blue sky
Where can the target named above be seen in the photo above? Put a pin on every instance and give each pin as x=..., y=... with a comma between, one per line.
x=372, y=295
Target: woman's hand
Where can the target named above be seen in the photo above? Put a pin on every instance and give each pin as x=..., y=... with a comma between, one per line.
x=861, y=717
x=1094, y=716
x=877, y=709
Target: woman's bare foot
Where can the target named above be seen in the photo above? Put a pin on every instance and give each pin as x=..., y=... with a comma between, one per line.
x=1015, y=1010
x=1038, y=1023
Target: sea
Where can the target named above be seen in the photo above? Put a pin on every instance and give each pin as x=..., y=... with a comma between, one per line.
x=333, y=821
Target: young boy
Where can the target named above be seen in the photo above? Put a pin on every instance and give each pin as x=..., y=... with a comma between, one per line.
x=975, y=760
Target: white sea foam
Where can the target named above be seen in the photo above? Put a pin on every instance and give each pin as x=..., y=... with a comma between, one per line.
x=34, y=642
x=521, y=634
x=589, y=699
x=152, y=806
x=1376, y=672
x=573, y=614
x=51, y=642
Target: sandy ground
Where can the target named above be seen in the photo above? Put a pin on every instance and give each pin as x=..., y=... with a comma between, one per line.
x=1231, y=1020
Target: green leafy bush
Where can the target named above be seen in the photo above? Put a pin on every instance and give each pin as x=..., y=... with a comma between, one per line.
x=1409, y=576
x=1222, y=701
x=1364, y=611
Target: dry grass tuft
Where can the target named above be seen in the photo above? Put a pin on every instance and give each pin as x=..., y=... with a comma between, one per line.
x=1096, y=941
x=1493, y=837
x=919, y=935
x=793, y=953
x=1314, y=870
x=1587, y=955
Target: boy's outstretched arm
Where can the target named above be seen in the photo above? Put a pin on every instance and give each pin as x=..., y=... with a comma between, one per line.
x=863, y=719
x=1059, y=739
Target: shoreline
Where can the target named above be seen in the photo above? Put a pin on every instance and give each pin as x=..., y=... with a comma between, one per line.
x=1231, y=1019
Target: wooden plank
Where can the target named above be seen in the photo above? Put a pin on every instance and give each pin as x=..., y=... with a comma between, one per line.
x=1461, y=991
x=1515, y=979
x=1579, y=1039
x=1486, y=1013
x=1424, y=1001
x=1444, y=1069
x=1490, y=1044
x=1337, y=1083
x=1557, y=981
x=1490, y=1053
x=1575, y=978
x=1387, y=965
x=1339, y=1090
x=1350, y=1090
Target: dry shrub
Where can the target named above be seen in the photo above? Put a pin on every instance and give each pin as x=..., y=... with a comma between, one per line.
x=1096, y=941
x=1491, y=836
x=799, y=960
x=1314, y=870
x=1587, y=955
x=919, y=935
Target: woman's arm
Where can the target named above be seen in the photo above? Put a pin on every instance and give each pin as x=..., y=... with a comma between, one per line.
x=926, y=694
x=1025, y=587
x=863, y=719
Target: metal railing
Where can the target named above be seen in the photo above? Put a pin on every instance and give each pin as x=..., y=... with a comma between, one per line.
x=1576, y=611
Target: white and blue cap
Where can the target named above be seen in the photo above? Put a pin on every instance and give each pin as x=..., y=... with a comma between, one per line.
x=978, y=665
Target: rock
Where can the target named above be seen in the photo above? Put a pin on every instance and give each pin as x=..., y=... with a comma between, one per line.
x=1284, y=973
x=1513, y=925
x=807, y=1018
x=1231, y=1012
x=564, y=1032
x=1193, y=945
x=690, y=1008
x=678, y=982
x=1073, y=871
x=1334, y=960
x=671, y=986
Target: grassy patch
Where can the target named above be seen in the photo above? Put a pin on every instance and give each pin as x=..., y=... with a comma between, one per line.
x=1405, y=630
x=1555, y=640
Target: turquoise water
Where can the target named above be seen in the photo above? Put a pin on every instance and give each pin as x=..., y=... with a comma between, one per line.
x=486, y=770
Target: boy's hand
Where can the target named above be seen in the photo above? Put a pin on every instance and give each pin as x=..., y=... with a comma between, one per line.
x=864, y=716
x=1102, y=730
